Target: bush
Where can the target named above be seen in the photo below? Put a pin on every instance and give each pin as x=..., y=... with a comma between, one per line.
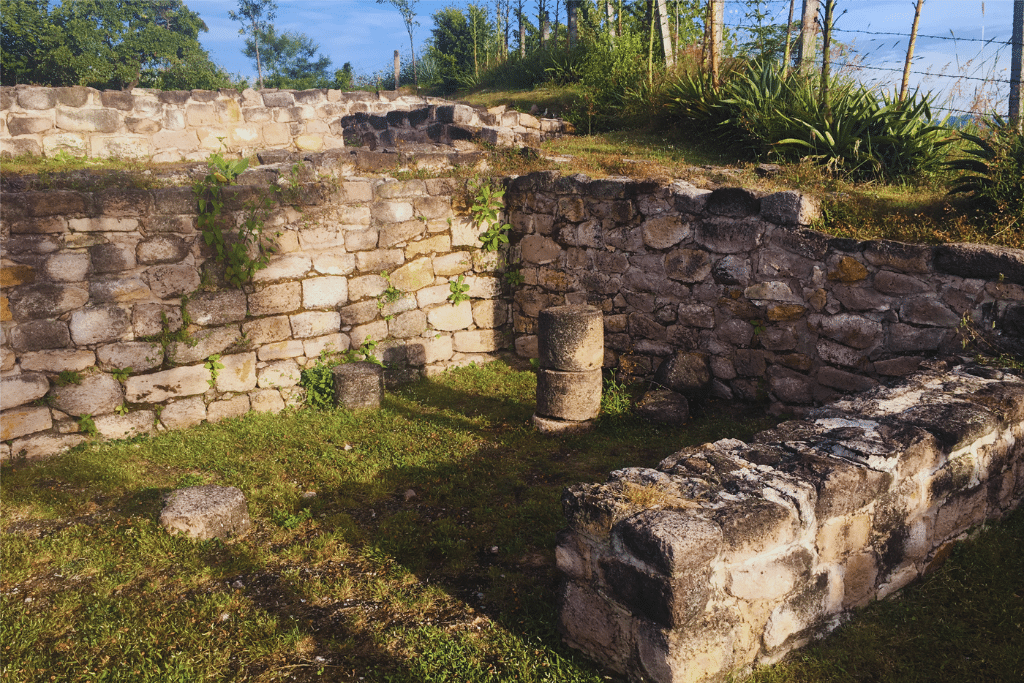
x=994, y=173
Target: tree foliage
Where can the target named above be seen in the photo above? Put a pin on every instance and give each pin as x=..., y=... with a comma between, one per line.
x=290, y=60
x=107, y=44
x=256, y=17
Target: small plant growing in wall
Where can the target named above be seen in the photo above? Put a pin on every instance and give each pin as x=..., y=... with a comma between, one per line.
x=87, y=425
x=214, y=365
x=487, y=206
x=121, y=374
x=458, y=291
x=390, y=295
x=318, y=378
x=243, y=252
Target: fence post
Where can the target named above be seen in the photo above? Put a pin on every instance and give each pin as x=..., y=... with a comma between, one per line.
x=396, y=69
x=1016, y=113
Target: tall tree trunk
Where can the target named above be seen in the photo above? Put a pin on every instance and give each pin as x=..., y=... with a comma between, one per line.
x=609, y=10
x=1016, y=109
x=650, y=43
x=397, y=69
x=808, y=27
x=542, y=23
x=910, y=51
x=571, y=8
x=522, y=32
x=666, y=36
x=789, y=39
x=826, y=46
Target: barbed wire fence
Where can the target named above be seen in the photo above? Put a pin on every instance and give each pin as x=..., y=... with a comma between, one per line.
x=966, y=76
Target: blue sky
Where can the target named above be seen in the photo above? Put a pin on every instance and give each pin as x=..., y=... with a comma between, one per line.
x=366, y=33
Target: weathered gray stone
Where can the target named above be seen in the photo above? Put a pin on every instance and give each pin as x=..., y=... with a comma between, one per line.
x=217, y=308
x=100, y=324
x=980, y=261
x=267, y=330
x=665, y=407
x=119, y=290
x=358, y=386
x=153, y=319
x=157, y=387
x=203, y=344
x=67, y=266
x=902, y=338
x=37, y=98
x=852, y=330
x=46, y=300
x=17, y=390
x=278, y=375
x=87, y=120
x=97, y=394
x=57, y=360
x=136, y=356
x=688, y=265
x=175, y=280
x=571, y=339
x=111, y=258
x=928, y=311
x=36, y=335
x=272, y=299
x=664, y=232
x=685, y=373
x=44, y=445
x=539, y=249
x=205, y=512
x=450, y=318
x=161, y=249
x=789, y=208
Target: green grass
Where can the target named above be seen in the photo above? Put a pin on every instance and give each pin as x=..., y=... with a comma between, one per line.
x=454, y=583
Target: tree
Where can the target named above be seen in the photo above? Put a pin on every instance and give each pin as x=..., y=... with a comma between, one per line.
x=456, y=40
x=256, y=17
x=105, y=44
x=291, y=60
x=407, y=8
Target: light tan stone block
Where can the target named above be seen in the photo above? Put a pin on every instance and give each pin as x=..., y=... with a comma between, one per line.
x=57, y=360
x=184, y=413
x=238, y=373
x=479, y=341
x=426, y=350
x=315, y=323
x=330, y=342
x=452, y=264
x=335, y=264
x=451, y=318
x=324, y=292
x=267, y=330
x=282, y=298
x=291, y=348
x=430, y=245
x=233, y=407
x=414, y=275
x=277, y=375
x=125, y=426
x=44, y=445
x=489, y=313
x=17, y=390
x=429, y=296
x=266, y=401
x=376, y=331
x=160, y=386
x=18, y=422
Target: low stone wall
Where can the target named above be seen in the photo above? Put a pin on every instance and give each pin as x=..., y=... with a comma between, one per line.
x=188, y=125
x=773, y=310
x=98, y=283
x=733, y=554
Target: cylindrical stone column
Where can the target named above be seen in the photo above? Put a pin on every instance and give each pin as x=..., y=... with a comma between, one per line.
x=571, y=344
x=358, y=385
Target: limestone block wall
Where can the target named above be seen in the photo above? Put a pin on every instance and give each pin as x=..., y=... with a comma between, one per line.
x=99, y=283
x=777, y=311
x=169, y=126
x=732, y=554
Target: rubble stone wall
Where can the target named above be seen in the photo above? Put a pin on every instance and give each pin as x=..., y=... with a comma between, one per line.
x=100, y=282
x=733, y=554
x=775, y=311
x=190, y=125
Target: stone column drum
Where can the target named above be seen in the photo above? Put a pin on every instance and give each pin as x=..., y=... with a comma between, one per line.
x=571, y=344
x=359, y=385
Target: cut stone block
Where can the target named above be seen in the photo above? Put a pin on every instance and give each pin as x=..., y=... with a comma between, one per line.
x=358, y=385
x=571, y=338
x=205, y=512
x=569, y=395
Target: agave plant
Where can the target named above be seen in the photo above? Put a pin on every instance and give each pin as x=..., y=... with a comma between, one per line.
x=994, y=170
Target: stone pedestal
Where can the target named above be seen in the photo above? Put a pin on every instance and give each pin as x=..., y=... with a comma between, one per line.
x=205, y=512
x=571, y=343
x=358, y=386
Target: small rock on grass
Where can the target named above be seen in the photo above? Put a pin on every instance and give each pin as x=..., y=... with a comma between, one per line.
x=664, y=406
x=204, y=512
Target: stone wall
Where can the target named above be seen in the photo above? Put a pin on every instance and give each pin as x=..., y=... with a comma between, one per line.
x=773, y=310
x=97, y=282
x=189, y=125
x=732, y=554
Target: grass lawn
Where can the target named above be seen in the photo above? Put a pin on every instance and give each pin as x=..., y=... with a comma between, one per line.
x=426, y=555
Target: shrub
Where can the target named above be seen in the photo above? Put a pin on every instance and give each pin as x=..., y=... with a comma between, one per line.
x=994, y=173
